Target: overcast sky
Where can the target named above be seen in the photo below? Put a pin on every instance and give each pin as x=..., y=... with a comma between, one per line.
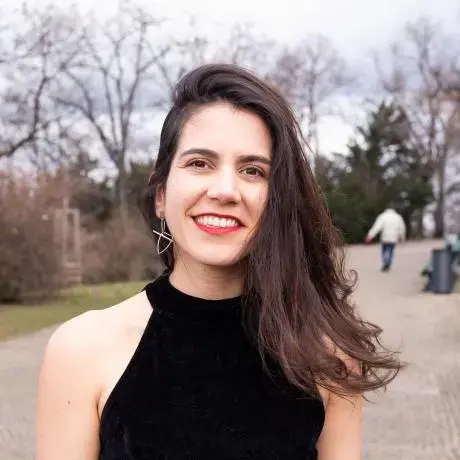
x=354, y=26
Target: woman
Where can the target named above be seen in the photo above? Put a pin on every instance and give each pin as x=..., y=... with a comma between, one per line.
x=248, y=346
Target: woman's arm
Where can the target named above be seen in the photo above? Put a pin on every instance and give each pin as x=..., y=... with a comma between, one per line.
x=341, y=435
x=67, y=421
x=340, y=438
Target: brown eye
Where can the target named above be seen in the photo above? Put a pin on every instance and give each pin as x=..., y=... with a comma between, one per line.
x=198, y=164
x=253, y=171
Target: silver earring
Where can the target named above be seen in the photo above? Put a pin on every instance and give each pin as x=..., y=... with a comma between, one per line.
x=163, y=235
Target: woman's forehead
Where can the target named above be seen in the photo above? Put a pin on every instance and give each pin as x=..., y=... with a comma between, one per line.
x=224, y=129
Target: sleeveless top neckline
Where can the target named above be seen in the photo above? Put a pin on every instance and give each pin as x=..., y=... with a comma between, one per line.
x=166, y=298
x=195, y=388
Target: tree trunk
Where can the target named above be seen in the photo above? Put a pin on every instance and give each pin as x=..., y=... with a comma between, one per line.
x=123, y=206
x=122, y=199
x=420, y=227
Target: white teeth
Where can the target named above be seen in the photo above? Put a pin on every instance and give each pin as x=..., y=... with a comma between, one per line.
x=212, y=221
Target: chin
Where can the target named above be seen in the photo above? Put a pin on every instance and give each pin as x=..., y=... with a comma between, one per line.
x=218, y=258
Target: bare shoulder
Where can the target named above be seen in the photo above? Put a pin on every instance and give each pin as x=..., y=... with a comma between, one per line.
x=74, y=373
x=82, y=345
x=82, y=337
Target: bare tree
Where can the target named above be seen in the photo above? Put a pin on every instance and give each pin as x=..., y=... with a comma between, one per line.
x=239, y=44
x=189, y=49
x=245, y=46
x=113, y=81
x=32, y=59
x=311, y=74
x=420, y=76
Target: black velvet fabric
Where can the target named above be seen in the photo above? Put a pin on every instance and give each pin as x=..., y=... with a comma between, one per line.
x=195, y=389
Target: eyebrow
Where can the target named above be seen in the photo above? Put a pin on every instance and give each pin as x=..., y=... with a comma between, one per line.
x=212, y=154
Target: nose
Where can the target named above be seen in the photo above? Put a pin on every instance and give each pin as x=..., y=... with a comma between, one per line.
x=224, y=186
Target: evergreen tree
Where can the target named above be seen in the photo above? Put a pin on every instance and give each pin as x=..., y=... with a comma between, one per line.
x=381, y=169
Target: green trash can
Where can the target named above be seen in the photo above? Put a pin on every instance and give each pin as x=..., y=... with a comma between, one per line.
x=442, y=275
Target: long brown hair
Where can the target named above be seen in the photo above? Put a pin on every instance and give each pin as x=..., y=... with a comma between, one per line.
x=296, y=275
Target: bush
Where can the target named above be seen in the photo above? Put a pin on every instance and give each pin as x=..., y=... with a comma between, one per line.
x=30, y=243
x=29, y=263
x=118, y=252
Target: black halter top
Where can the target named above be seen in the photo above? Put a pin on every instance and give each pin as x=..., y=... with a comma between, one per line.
x=195, y=389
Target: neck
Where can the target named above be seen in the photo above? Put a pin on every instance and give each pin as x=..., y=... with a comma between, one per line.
x=207, y=282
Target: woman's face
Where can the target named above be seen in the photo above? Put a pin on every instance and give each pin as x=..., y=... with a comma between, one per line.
x=217, y=185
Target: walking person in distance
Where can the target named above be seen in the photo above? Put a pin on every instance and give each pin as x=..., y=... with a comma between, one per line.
x=392, y=230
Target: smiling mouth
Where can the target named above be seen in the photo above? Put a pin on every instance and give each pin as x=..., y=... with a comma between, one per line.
x=217, y=225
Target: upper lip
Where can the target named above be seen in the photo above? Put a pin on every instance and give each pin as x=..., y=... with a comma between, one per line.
x=220, y=216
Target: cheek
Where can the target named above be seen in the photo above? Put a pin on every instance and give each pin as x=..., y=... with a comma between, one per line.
x=181, y=193
x=258, y=200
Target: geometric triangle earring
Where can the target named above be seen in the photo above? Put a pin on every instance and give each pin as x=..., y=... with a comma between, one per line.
x=163, y=235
